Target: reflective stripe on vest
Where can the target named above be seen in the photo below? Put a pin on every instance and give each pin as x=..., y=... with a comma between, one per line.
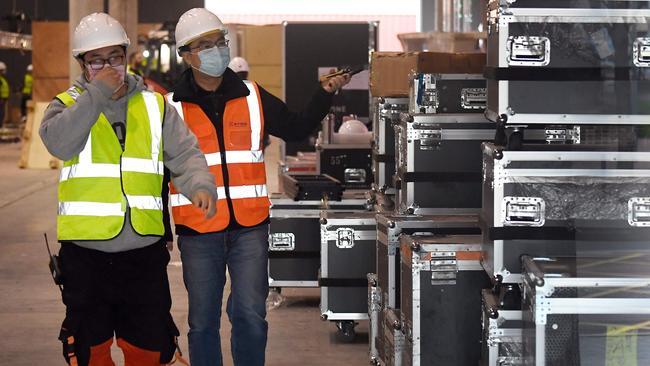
x=243, y=127
x=96, y=186
x=236, y=192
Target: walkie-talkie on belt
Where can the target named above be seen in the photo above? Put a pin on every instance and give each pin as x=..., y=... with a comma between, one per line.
x=55, y=266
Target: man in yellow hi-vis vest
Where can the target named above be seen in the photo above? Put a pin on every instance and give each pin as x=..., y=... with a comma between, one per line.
x=115, y=137
x=28, y=81
x=4, y=92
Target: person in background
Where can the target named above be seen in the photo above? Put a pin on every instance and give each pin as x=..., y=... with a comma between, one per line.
x=27, y=91
x=115, y=138
x=4, y=92
x=229, y=117
x=135, y=64
x=240, y=67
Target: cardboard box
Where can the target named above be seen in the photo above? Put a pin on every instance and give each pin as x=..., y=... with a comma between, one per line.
x=390, y=71
x=452, y=42
x=262, y=45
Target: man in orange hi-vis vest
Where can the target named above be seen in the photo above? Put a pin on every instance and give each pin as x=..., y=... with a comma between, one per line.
x=229, y=117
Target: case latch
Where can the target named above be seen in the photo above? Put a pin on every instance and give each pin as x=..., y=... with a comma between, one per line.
x=473, y=98
x=354, y=175
x=529, y=51
x=641, y=52
x=344, y=238
x=638, y=211
x=282, y=242
x=429, y=135
x=523, y=211
x=444, y=268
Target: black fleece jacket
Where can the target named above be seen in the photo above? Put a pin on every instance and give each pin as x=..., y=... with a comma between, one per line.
x=279, y=121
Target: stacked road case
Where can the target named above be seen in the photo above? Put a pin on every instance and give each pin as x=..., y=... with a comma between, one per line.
x=294, y=237
x=578, y=72
x=441, y=281
x=438, y=163
x=424, y=302
x=390, y=228
x=347, y=257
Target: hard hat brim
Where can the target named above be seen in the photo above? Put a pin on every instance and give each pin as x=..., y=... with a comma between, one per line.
x=80, y=51
x=224, y=31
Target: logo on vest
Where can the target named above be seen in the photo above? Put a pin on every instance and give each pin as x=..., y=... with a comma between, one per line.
x=238, y=124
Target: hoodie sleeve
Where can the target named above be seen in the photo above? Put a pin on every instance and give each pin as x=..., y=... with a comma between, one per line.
x=279, y=121
x=64, y=130
x=185, y=161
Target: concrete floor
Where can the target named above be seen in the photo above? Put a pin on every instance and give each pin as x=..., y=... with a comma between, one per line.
x=31, y=310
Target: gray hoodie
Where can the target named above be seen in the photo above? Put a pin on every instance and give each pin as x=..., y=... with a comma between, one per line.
x=65, y=131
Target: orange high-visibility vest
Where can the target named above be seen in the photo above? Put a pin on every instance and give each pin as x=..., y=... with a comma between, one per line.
x=243, y=126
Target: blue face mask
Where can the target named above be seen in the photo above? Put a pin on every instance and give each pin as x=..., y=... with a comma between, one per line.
x=214, y=61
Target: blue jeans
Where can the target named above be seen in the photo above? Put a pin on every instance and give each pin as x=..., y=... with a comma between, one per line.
x=245, y=252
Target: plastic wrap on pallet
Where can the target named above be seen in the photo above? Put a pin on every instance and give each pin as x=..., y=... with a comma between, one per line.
x=582, y=198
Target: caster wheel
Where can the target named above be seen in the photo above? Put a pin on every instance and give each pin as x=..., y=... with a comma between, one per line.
x=276, y=289
x=346, y=332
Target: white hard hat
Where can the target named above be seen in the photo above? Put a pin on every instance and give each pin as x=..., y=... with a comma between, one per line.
x=30, y=68
x=3, y=67
x=195, y=23
x=238, y=64
x=353, y=126
x=98, y=30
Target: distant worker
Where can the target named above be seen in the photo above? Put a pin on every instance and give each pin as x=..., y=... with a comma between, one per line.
x=229, y=117
x=240, y=67
x=4, y=92
x=27, y=91
x=135, y=63
x=115, y=137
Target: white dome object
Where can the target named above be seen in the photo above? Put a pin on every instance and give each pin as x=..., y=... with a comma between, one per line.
x=96, y=31
x=352, y=132
x=353, y=126
x=3, y=66
x=30, y=68
x=195, y=23
x=239, y=64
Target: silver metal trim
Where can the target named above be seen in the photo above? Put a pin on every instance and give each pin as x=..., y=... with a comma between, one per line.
x=577, y=15
x=274, y=283
x=565, y=119
x=545, y=306
x=445, y=118
x=344, y=316
x=603, y=173
x=510, y=156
